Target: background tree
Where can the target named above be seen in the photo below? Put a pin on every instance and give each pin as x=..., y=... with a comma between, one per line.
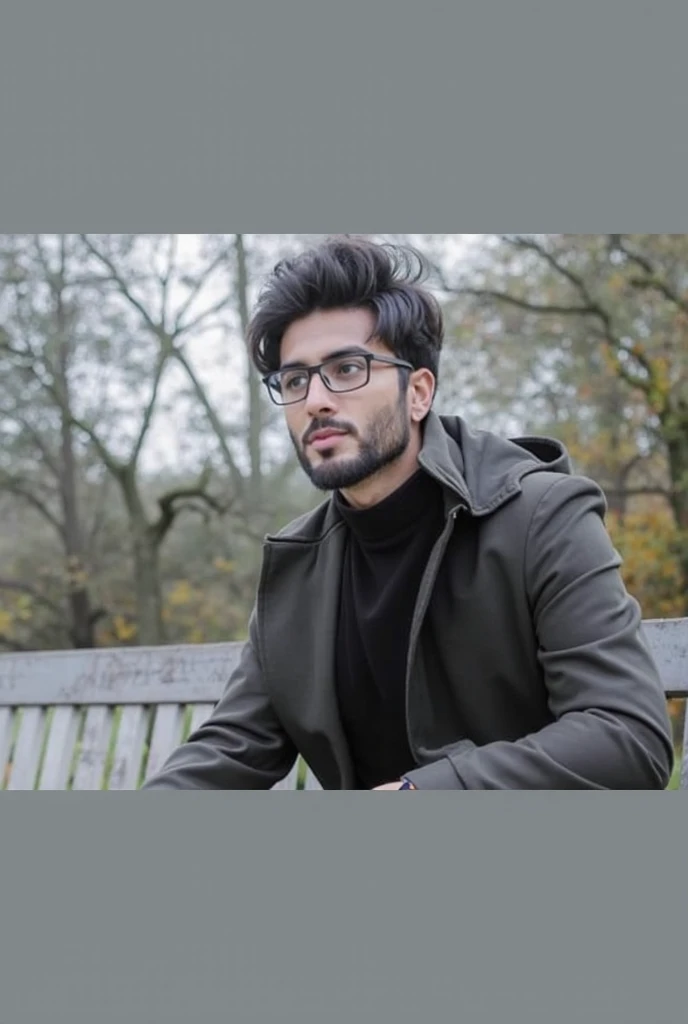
x=79, y=378
x=43, y=464
x=107, y=342
x=585, y=336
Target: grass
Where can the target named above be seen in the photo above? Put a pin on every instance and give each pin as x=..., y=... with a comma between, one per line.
x=676, y=774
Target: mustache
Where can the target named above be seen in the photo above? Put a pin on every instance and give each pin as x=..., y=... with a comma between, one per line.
x=326, y=424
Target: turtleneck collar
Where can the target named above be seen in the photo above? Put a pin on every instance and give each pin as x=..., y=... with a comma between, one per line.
x=396, y=515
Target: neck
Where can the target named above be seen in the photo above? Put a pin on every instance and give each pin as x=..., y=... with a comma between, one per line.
x=376, y=488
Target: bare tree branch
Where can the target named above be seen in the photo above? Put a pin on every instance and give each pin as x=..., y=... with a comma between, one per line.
x=632, y=463
x=181, y=498
x=7, y=346
x=26, y=588
x=530, y=245
x=43, y=260
x=42, y=447
x=531, y=307
x=166, y=278
x=16, y=486
x=200, y=328
x=113, y=464
x=116, y=278
x=652, y=281
x=617, y=244
x=150, y=408
x=217, y=426
x=637, y=353
x=634, y=380
x=657, y=285
x=198, y=320
x=590, y=307
x=97, y=522
x=195, y=291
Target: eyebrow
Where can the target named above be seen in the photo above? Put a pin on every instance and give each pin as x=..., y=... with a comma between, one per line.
x=350, y=350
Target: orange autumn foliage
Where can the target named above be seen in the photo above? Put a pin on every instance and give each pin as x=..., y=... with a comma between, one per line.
x=647, y=541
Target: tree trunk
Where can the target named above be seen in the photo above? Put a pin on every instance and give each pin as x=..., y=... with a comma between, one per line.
x=80, y=610
x=146, y=555
x=151, y=630
x=253, y=384
x=677, y=450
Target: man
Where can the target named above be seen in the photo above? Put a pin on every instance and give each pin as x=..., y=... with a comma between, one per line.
x=453, y=616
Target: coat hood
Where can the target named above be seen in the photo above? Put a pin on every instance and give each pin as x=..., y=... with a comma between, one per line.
x=485, y=470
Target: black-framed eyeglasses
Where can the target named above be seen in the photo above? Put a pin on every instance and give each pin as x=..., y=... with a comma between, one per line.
x=338, y=373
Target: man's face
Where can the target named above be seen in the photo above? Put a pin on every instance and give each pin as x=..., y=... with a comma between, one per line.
x=343, y=438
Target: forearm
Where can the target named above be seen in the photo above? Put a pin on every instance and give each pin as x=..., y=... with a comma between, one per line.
x=217, y=758
x=242, y=745
x=583, y=750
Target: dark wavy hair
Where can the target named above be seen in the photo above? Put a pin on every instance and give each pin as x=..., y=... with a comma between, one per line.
x=346, y=272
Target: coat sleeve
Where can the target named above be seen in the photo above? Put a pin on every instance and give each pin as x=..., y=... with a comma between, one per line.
x=241, y=746
x=611, y=727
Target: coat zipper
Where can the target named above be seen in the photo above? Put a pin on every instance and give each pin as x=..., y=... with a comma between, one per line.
x=424, y=593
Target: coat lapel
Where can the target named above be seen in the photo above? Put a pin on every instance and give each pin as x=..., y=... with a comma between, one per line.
x=300, y=604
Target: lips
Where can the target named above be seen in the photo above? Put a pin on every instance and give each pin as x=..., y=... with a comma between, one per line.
x=321, y=440
x=325, y=435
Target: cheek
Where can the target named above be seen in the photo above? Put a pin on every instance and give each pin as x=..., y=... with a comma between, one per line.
x=294, y=423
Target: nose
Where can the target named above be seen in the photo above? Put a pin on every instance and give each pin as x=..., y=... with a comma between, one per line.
x=318, y=398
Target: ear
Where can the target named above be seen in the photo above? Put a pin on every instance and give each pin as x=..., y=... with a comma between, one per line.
x=421, y=392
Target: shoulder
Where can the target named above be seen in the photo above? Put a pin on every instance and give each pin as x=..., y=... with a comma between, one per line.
x=309, y=526
x=546, y=491
x=551, y=502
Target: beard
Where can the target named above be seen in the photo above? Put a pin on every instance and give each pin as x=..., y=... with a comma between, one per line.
x=386, y=439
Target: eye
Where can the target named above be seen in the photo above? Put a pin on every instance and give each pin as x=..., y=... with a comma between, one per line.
x=294, y=381
x=350, y=367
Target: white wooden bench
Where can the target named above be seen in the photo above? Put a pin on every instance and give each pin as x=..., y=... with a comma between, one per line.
x=108, y=718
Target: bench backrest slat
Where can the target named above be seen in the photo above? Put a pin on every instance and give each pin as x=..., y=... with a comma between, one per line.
x=93, y=748
x=668, y=641
x=201, y=713
x=167, y=734
x=27, y=749
x=131, y=736
x=59, y=751
x=6, y=724
x=194, y=674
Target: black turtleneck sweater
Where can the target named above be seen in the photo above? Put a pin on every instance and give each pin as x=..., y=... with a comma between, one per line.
x=386, y=554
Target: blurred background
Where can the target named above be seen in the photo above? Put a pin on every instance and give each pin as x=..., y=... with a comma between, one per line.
x=141, y=463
